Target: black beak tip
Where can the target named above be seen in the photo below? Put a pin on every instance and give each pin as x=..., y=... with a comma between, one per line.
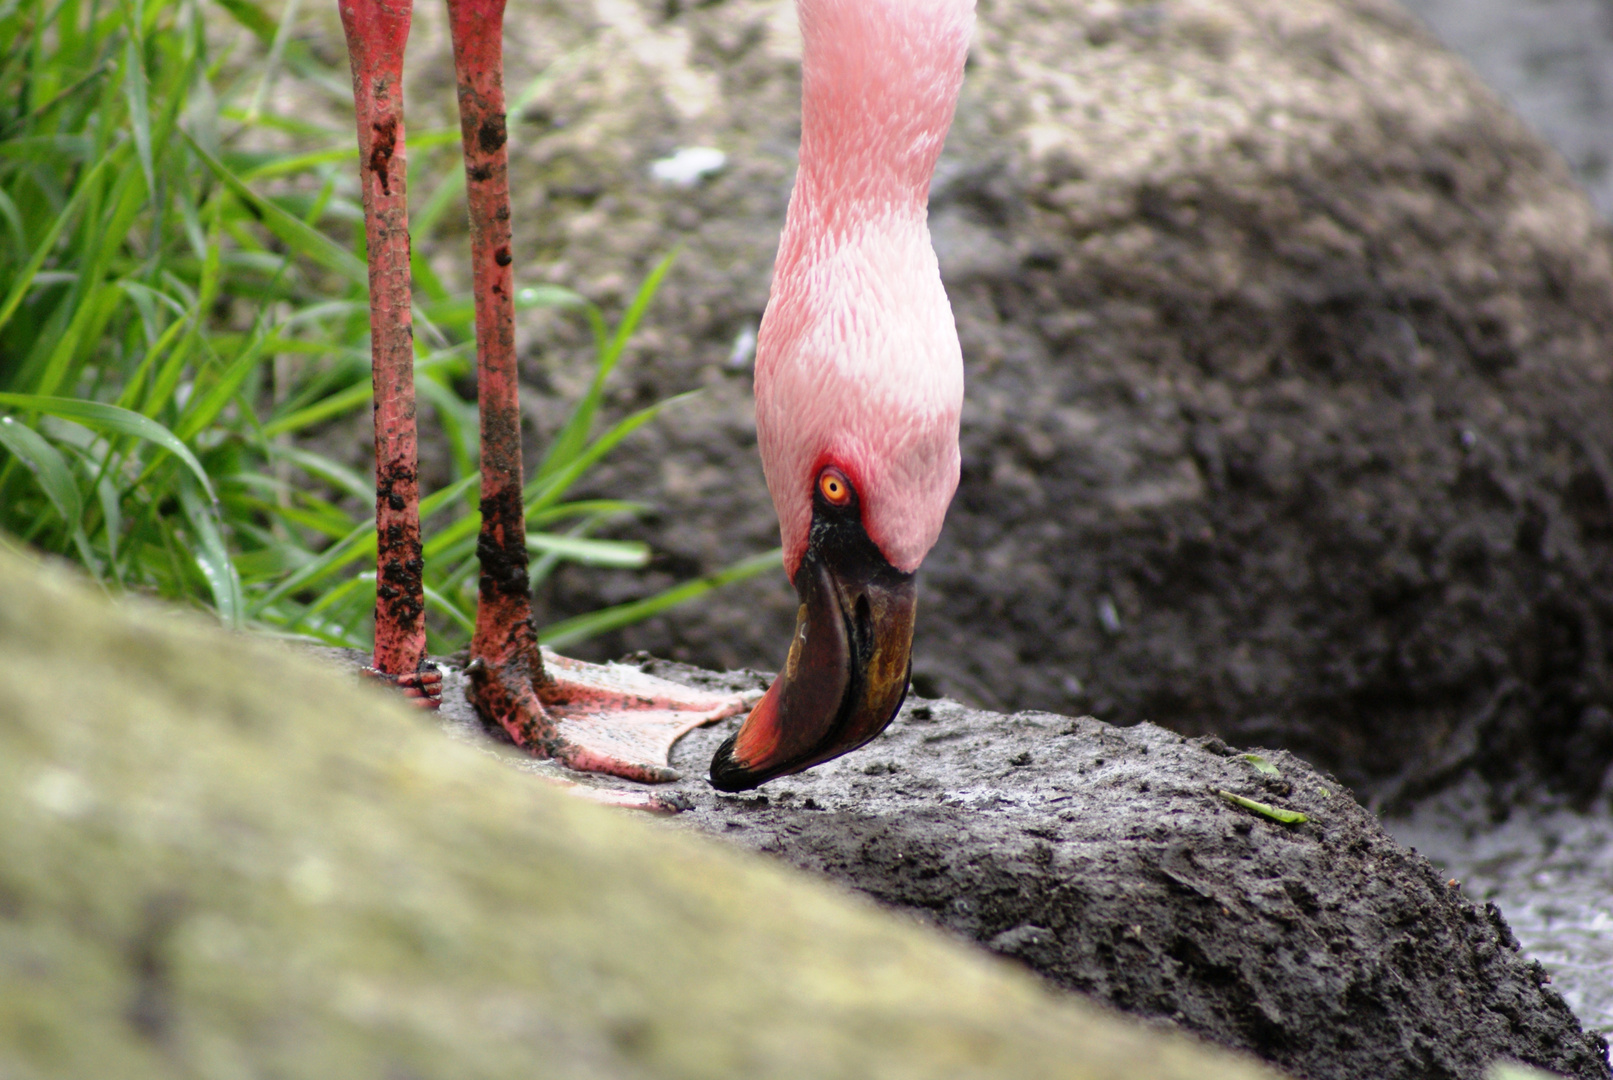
x=728, y=774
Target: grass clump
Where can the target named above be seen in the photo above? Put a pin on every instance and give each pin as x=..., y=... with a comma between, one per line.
x=181, y=315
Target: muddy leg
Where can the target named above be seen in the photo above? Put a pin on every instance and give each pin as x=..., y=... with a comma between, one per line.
x=376, y=34
x=595, y=718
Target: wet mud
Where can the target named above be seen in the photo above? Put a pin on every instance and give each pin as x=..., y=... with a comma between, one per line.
x=1112, y=862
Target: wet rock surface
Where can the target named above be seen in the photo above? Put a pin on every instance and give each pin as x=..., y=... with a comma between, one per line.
x=1104, y=859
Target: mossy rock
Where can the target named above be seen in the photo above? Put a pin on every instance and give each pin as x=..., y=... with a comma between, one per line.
x=218, y=859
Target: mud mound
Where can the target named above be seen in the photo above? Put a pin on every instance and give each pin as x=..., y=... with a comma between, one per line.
x=1105, y=859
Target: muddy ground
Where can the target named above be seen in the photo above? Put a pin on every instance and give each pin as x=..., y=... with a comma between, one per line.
x=1104, y=859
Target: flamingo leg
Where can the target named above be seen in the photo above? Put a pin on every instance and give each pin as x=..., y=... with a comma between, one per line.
x=596, y=718
x=376, y=34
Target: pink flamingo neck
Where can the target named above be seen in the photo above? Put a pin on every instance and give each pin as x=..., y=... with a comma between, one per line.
x=857, y=358
x=879, y=80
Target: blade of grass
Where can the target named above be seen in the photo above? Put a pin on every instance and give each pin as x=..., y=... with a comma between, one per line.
x=55, y=478
x=624, y=554
x=1275, y=813
x=212, y=556
x=134, y=89
x=441, y=602
x=335, y=596
x=251, y=16
x=110, y=418
x=111, y=523
x=81, y=83
x=545, y=490
x=349, y=549
x=13, y=219
x=48, y=466
x=423, y=222
x=157, y=349
x=323, y=520
x=583, y=627
x=25, y=278
x=443, y=497
x=277, y=52
x=556, y=296
x=292, y=231
x=333, y=473
x=336, y=404
x=602, y=508
x=201, y=410
x=568, y=443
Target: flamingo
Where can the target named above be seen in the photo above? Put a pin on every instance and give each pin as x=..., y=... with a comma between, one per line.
x=859, y=387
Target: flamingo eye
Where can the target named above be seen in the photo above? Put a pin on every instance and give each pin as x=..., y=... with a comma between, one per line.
x=833, y=486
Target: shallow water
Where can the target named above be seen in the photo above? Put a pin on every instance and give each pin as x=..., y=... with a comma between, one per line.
x=1551, y=874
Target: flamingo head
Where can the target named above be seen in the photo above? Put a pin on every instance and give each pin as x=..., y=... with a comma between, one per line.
x=859, y=377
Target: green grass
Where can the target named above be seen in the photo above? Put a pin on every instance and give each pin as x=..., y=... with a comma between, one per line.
x=182, y=315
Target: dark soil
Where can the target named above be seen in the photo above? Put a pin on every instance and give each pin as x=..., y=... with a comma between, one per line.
x=1102, y=858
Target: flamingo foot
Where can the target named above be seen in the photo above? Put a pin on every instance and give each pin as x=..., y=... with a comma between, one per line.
x=598, y=718
x=422, y=687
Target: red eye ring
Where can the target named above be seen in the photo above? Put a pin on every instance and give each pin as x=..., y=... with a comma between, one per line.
x=834, y=487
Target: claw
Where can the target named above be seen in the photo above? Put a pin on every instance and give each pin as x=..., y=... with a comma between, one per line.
x=423, y=687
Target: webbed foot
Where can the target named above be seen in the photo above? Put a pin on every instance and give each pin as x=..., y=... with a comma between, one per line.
x=599, y=718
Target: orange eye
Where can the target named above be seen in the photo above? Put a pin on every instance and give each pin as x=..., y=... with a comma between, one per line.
x=833, y=485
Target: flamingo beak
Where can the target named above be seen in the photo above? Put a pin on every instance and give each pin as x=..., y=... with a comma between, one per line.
x=848, y=666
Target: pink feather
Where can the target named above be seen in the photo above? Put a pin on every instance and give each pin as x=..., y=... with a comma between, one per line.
x=857, y=360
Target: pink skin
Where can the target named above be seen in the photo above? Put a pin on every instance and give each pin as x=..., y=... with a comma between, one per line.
x=857, y=361
x=595, y=718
